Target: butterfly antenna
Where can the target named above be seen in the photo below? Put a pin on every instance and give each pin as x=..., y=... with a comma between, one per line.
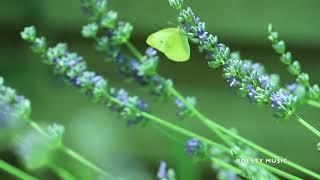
x=171, y=23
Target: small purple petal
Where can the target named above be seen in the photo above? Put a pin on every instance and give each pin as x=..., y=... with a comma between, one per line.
x=264, y=80
x=179, y=103
x=162, y=172
x=292, y=87
x=252, y=92
x=151, y=52
x=193, y=146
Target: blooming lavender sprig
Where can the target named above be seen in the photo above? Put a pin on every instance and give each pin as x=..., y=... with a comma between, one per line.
x=105, y=22
x=105, y=29
x=164, y=173
x=293, y=66
x=143, y=68
x=37, y=146
x=71, y=67
x=250, y=78
x=15, y=109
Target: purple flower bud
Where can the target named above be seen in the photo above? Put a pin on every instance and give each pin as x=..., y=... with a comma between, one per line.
x=193, y=146
x=143, y=106
x=6, y=115
x=252, y=92
x=233, y=82
x=96, y=79
x=196, y=19
x=122, y=96
x=76, y=81
x=279, y=98
x=264, y=80
x=120, y=58
x=19, y=99
x=179, y=103
x=292, y=87
x=210, y=56
x=221, y=47
x=135, y=121
x=162, y=172
x=255, y=66
x=151, y=52
x=202, y=34
x=134, y=65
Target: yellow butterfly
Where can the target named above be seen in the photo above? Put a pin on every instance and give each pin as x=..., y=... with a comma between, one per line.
x=173, y=42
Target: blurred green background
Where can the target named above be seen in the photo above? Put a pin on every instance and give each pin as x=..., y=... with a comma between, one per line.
x=104, y=138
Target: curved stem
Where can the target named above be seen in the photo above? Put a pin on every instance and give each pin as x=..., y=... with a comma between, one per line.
x=307, y=125
x=184, y=131
x=279, y=172
x=61, y=172
x=134, y=51
x=176, y=128
x=15, y=171
x=85, y=162
x=314, y=103
x=226, y=149
x=215, y=127
x=212, y=159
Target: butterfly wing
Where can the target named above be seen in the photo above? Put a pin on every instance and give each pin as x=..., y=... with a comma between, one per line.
x=177, y=47
x=159, y=39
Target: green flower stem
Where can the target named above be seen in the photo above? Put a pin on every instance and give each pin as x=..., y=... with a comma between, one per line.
x=134, y=51
x=72, y=153
x=307, y=125
x=212, y=159
x=279, y=172
x=184, y=131
x=15, y=171
x=227, y=166
x=85, y=162
x=176, y=128
x=139, y=56
x=61, y=172
x=215, y=127
x=314, y=103
x=203, y=139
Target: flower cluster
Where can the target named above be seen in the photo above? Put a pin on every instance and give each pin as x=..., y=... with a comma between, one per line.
x=15, y=109
x=164, y=173
x=34, y=148
x=250, y=78
x=293, y=66
x=110, y=34
x=118, y=32
x=143, y=68
x=73, y=69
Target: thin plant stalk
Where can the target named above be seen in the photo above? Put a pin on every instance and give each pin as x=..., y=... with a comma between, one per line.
x=314, y=103
x=228, y=166
x=61, y=172
x=215, y=127
x=15, y=171
x=209, y=142
x=73, y=154
x=307, y=125
x=279, y=172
